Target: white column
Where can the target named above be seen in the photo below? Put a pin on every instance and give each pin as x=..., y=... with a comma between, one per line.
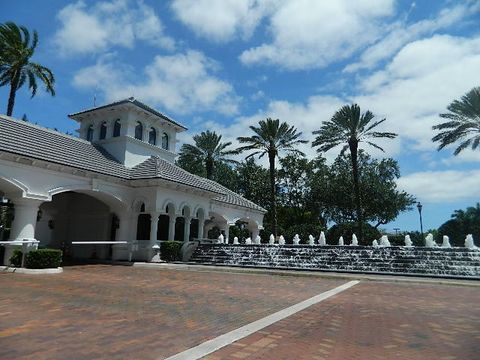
x=201, y=227
x=26, y=211
x=186, y=231
x=171, y=228
x=227, y=233
x=153, y=227
x=255, y=233
x=124, y=231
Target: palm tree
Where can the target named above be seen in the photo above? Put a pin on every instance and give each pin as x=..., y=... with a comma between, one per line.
x=15, y=65
x=348, y=126
x=270, y=138
x=463, y=123
x=208, y=150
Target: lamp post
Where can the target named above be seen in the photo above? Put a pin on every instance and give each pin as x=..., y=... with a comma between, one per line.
x=419, y=207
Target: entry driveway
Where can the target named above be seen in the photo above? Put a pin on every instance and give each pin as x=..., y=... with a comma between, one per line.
x=120, y=312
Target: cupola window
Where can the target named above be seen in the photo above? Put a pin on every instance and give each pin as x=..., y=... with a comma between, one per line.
x=103, y=131
x=116, y=128
x=152, y=136
x=139, y=131
x=90, y=133
x=165, y=141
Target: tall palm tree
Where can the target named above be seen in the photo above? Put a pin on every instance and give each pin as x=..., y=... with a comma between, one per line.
x=463, y=123
x=208, y=150
x=348, y=126
x=270, y=138
x=15, y=65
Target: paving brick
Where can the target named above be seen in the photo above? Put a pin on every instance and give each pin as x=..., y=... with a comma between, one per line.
x=376, y=320
x=118, y=312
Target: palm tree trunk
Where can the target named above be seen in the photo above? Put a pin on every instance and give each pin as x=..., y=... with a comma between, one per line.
x=209, y=167
x=13, y=91
x=273, y=193
x=353, y=145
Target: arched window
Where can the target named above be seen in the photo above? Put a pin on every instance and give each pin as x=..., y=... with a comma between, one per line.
x=90, y=133
x=116, y=128
x=152, y=136
x=103, y=130
x=142, y=208
x=165, y=141
x=139, y=131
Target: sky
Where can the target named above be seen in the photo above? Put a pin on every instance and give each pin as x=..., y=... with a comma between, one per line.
x=226, y=64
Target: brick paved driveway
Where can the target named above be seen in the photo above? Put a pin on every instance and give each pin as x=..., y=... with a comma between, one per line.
x=117, y=312
x=374, y=320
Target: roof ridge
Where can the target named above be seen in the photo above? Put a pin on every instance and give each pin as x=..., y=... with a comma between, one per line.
x=43, y=128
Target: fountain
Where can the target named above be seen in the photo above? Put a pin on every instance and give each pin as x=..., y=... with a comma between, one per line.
x=384, y=241
x=258, y=240
x=446, y=242
x=340, y=241
x=296, y=239
x=235, y=240
x=322, y=241
x=429, y=242
x=271, y=241
x=408, y=241
x=469, y=243
x=379, y=258
x=226, y=240
x=221, y=239
x=311, y=240
x=354, y=240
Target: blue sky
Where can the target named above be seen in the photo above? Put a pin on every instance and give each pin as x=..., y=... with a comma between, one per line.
x=226, y=64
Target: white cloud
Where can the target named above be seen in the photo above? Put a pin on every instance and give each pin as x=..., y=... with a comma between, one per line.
x=180, y=83
x=442, y=186
x=222, y=20
x=86, y=30
x=313, y=34
x=418, y=84
x=399, y=34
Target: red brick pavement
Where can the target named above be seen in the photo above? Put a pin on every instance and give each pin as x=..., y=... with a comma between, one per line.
x=117, y=312
x=374, y=320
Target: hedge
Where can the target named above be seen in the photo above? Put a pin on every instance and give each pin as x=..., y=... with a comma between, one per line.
x=170, y=250
x=43, y=258
x=16, y=258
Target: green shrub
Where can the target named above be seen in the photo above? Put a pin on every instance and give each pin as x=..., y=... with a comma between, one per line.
x=16, y=258
x=43, y=259
x=347, y=229
x=170, y=250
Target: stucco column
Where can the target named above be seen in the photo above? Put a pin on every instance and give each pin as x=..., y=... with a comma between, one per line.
x=153, y=227
x=124, y=227
x=26, y=211
x=227, y=233
x=171, y=227
x=186, y=231
x=201, y=227
x=255, y=232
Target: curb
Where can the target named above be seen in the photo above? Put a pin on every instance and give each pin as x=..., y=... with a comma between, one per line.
x=9, y=269
x=300, y=273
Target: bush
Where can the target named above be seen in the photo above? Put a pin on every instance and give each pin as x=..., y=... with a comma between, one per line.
x=347, y=229
x=16, y=258
x=43, y=259
x=170, y=250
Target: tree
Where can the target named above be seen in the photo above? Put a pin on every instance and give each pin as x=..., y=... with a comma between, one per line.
x=382, y=200
x=253, y=182
x=463, y=222
x=349, y=126
x=16, y=66
x=270, y=138
x=463, y=123
x=208, y=151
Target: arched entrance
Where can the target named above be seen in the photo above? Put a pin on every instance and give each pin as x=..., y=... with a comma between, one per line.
x=74, y=216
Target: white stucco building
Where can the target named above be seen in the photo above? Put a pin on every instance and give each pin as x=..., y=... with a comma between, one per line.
x=117, y=181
